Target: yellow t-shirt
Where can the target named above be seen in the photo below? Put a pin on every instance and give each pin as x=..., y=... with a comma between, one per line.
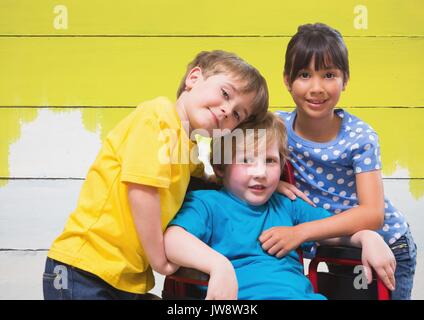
x=100, y=235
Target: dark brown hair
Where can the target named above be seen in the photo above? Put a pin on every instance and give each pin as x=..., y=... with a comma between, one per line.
x=218, y=61
x=318, y=41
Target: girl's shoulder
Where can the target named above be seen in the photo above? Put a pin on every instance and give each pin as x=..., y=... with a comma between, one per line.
x=352, y=123
x=285, y=115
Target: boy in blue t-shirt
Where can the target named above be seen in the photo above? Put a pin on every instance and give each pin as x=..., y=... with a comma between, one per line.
x=220, y=232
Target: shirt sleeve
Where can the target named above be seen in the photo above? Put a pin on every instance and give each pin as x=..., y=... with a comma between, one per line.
x=304, y=212
x=194, y=217
x=366, y=154
x=142, y=155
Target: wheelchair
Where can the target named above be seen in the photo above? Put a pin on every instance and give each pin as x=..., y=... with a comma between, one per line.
x=336, y=284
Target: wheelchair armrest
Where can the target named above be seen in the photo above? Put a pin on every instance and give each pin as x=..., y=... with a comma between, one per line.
x=339, y=252
x=184, y=283
x=189, y=275
x=341, y=255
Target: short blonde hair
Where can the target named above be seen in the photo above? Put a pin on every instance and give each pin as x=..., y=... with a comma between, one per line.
x=217, y=62
x=275, y=131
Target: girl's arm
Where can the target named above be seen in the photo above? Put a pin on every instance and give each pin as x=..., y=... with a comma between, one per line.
x=185, y=249
x=145, y=209
x=376, y=255
x=369, y=214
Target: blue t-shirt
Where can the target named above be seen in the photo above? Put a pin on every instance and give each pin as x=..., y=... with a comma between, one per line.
x=325, y=172
x=232, y=227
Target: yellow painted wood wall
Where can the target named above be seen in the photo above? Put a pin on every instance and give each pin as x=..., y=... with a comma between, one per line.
x=62, y=90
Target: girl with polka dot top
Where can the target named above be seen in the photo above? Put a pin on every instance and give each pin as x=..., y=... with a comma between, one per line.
x=335, y=155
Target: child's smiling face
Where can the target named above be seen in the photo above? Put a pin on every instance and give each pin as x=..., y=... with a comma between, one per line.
x=317, y=92
x=254, y=179
x=214, y=102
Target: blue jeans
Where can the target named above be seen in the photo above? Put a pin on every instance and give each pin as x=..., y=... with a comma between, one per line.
x=405, y=251
x=64, y=282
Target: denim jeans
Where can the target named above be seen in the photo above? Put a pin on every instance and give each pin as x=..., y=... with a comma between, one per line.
x=64, y=282
x=405, y=251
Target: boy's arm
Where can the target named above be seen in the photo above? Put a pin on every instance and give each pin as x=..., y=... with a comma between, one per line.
x=145, y=208
x=185, y=249
x=376, y=254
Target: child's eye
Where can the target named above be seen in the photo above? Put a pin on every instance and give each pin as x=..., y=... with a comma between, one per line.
x=236, y=115
x=248, y=160
x=271, y=160
x=225, y=94
x=329, y=75
x=304, y=75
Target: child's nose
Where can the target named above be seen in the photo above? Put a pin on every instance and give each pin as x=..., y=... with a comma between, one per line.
x=225, y=110
x=258, y=170
x=316, y=86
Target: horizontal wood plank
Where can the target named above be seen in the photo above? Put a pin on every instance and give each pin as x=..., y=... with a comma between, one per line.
x=21, y=275
x=219, y=17
x=33, y=213
x=124, y=71
x=62, y=143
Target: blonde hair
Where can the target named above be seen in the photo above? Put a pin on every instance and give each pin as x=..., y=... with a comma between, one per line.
x=217, y=62
x=275, y=131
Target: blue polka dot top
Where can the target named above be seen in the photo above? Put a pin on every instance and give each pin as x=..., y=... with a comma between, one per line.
x=325, y=172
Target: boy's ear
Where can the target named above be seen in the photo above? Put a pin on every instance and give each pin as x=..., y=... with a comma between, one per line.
x=287, y=82
x=193, y=76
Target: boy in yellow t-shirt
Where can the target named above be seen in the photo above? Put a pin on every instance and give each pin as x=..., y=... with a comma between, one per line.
x=114, y=238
